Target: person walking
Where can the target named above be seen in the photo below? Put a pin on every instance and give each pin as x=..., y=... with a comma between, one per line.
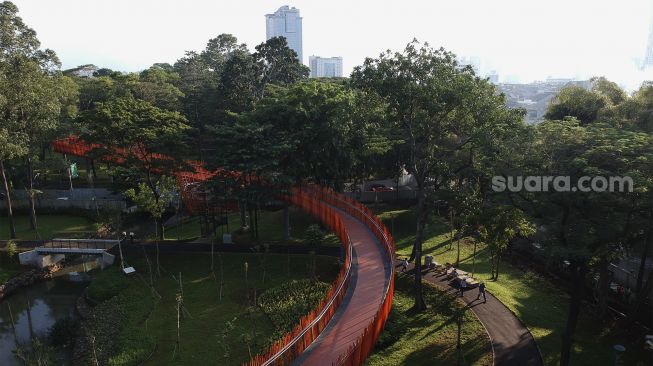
x=404, y=265
x=463, y=286
x=481, y=291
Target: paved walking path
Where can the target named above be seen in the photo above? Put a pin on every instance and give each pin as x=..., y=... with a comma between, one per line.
x=370, y=277
x=512, y=342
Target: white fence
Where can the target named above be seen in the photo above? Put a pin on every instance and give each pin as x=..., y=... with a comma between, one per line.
x=83, y=198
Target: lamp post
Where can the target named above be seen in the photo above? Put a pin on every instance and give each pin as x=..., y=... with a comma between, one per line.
x=122, y=260
x=618, y=351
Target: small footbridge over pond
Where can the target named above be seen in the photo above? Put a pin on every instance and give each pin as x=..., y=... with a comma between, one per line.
x=55, y=250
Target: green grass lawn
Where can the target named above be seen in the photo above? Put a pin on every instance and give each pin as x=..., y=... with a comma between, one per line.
x=48, y=226
x=8, y=267
x=429, y=337
x=541, y=305
x=214, y=330
x=270, y=228
x=188, y=229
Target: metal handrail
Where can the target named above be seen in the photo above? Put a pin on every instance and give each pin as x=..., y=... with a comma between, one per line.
x=324, y=310
x=387, y=290
x=299, y=336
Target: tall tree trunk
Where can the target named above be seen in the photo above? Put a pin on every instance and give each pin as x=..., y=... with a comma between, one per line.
x=256, y=211
x=641, y=298
x=474, y=258
x=578, y=272
x=451, y=230
x=644, y=256
x=10, y=213
x=160, y=234
x=286, y=223
x=243, y=215
x=496, y=267
x=421, y=221
x=458, y=255
x=32, y=205
x=252, y=233
x=603, y=286
x=93, y=168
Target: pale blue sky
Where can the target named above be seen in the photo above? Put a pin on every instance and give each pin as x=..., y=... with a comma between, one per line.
x=528, y=39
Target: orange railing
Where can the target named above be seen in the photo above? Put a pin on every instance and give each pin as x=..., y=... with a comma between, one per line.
x=358, y=352
x=310, y=326
x=323, y=204
x=190, y=176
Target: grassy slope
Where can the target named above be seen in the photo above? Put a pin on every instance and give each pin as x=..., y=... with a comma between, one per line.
x=420, y=339
x=200, y=332
x=48, y=225
x=8, y=267
x=542, y=306
x=270, y=227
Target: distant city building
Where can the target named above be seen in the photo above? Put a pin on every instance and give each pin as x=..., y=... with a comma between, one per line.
x=287, y=23
x=325, y=67
x=83, y=71
x=493, y=77
x=473, y=61
x=535, y=97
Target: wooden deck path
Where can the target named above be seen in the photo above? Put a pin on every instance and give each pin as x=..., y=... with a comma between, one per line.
x=370, y=277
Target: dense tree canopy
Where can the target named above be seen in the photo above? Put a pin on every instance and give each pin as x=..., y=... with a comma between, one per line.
x=447, y=119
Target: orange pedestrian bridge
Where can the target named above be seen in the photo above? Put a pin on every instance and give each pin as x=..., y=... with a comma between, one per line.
x=344, y=327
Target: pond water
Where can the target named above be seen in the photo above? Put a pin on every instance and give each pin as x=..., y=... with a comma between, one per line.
x=35, y=309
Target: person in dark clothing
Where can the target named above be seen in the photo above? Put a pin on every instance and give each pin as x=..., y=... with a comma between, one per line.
x=463, y=286
x=404, y=265
x=481, y=291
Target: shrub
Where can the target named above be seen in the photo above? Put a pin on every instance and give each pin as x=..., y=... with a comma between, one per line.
x=115, y=326
x=63, y=331
x=285, y=304
x=12, y=249
x=106, y=284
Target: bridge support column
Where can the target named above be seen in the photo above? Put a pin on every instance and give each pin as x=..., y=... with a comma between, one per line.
x=107, y=259
x=34, y=258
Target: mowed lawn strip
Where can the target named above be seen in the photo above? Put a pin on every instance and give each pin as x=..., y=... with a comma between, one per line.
x=48, y=226
x=207, y=317
x=270, y=228
x=429, y=337
x=541, y=305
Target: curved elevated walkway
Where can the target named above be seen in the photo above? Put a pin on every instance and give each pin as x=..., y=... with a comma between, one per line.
x=370, y=277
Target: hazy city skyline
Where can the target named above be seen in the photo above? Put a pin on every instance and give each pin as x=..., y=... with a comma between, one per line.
x=522, y=41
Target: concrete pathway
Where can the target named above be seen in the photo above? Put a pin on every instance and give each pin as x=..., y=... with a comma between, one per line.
x=512, y=342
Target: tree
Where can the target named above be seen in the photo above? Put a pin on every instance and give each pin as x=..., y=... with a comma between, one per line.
x=587, y=229
x=578, y=102
x=314, y=238
x=277, y=64
x=142, y=137
x=34, y=92
x=613, y=94
x=443, y=114
x=154, y=203
x=157, y=85
x=309, y=130
x=12, y=144
x=501, y=224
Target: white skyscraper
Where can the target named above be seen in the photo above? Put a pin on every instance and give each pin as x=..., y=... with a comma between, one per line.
x=325, y=67
x=286, y=22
